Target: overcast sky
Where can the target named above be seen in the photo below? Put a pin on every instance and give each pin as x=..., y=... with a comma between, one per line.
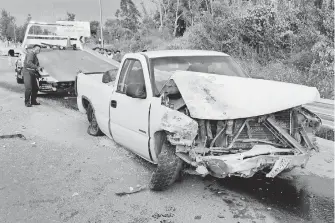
x=52, y=10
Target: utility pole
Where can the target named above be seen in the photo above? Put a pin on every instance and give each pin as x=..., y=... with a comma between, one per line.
x=14, y=34
x=101, y=33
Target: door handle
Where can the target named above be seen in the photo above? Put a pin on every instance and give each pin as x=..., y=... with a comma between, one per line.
x=113, y=103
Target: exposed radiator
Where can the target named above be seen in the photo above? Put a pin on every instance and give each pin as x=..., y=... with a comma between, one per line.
x=259, y=131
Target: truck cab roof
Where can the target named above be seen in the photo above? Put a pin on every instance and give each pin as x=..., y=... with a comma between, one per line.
x=175, y=53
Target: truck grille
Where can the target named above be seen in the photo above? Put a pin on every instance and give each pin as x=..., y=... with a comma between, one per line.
x=63, y=85
x=259, y=131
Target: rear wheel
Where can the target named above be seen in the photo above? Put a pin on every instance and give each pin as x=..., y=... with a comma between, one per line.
x=168, y=169
x=93, y=128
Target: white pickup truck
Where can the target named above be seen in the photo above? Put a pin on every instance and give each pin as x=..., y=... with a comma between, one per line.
x=198, y=110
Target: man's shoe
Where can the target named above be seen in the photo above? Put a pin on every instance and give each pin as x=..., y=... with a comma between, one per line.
x=28, y=104
x=35, y=103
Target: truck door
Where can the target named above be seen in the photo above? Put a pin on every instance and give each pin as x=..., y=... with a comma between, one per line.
x=129, y=116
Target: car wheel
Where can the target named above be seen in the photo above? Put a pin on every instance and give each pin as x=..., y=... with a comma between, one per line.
x=168, y=169
x=19, y=80
x=93, y=128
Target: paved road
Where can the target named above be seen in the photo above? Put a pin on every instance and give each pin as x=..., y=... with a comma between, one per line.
x=61, y=174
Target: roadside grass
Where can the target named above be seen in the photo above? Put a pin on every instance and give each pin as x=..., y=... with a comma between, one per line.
x=326, y=133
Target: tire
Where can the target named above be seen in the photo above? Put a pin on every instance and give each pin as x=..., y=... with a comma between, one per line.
x=75, y=87
x=19, y=80
x=93, y=129
x=168, y=169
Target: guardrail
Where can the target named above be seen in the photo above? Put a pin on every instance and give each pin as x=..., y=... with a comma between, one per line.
x=98, y=55
x=325, y=110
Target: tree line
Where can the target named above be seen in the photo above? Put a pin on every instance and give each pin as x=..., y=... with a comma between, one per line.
x=10, y=31
x=293, y=33
x=297, y=34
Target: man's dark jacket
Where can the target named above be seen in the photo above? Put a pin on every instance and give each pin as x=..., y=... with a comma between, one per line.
x=31, y=63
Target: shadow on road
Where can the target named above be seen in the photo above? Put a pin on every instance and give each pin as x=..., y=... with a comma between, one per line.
x=307, y=197
x=14, y=88
x=68, y=101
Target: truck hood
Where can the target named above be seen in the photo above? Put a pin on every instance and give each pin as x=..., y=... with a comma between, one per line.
x=219, y=97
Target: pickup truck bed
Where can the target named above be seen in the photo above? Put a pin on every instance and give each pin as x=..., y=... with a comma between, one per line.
x=63, y=65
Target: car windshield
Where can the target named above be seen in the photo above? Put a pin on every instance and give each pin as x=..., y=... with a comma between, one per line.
x=164, y=67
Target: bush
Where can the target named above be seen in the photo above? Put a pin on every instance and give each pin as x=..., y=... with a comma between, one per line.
x=326, y=133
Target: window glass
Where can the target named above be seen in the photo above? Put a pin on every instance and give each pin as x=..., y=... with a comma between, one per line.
x=164, y=67
x=120, y=85
x=133, y=74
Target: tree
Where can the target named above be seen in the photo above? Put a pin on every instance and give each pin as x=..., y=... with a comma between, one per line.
x=163, y=8
x=21, y=31
x=94, y=26
x=70, y=16
x=128, y=15
x=7, y=25
x=178, y=15
x=147, y=23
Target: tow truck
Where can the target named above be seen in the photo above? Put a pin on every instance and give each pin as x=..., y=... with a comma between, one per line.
x=62, y=56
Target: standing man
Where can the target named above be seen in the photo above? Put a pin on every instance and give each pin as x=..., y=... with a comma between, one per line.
x=31, y=69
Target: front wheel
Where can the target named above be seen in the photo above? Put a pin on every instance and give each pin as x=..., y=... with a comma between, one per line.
x=168, y=169
x=19, y=80
x=93, y=128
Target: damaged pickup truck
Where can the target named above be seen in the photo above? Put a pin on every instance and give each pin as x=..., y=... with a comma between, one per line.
x=199, y=112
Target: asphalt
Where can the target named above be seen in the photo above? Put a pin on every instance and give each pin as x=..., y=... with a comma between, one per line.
x=68, y=176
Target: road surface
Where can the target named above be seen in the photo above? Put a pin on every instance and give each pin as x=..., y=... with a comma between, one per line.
x=61, y=174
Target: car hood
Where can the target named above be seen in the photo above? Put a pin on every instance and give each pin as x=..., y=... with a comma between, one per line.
x=219, y=97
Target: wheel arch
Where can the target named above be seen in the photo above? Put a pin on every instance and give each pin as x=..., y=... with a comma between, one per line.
x=85, y=102
x=159, y=139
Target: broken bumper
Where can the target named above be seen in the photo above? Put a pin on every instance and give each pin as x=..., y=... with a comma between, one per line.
x=56, y=87
x=260, y=158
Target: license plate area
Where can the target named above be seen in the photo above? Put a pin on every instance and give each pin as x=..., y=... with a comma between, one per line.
x=279, y=166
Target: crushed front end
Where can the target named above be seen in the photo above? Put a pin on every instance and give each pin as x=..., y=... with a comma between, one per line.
x=269, y=143
x=48, y=84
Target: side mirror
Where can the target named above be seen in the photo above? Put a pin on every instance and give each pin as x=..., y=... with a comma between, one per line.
x=136, y=90
x=109, y=76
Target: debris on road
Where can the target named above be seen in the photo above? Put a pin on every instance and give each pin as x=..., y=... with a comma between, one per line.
x=221, y=216
x=75, y=194
x=12, y=136
x=167, y=215
x=198, y=217
x=132, y=190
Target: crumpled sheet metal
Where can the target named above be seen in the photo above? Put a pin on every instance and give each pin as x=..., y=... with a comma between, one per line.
x=219, y=97
x=183, y=128
x=261, y=156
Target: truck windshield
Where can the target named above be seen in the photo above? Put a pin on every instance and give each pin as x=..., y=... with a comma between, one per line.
x=164, y=67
